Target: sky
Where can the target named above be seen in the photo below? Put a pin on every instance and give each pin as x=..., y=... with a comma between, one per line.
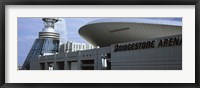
x=28, y=29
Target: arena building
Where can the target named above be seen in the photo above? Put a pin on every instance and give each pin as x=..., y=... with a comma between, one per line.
x=124, y=44
x=70, y=46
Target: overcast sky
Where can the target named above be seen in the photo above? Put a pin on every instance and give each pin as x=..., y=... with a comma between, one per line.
x=28, y=29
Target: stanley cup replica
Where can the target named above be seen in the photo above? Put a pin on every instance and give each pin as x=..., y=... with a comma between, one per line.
x=46, y=44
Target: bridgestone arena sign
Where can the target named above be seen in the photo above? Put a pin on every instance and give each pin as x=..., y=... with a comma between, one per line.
x=173, y=41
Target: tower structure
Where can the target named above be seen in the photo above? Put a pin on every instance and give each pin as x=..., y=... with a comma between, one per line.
x=46, y=44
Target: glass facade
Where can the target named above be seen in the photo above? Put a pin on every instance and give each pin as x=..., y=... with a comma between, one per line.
x=42, y=47
x=46, y=44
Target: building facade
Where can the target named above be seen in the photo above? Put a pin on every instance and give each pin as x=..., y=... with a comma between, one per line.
x=163, y=54
x=74, y=46
x=46, y=44
x=123, y=46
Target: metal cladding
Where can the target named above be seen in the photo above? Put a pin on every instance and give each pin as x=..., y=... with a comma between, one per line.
x=106, y=32
x=49, y=22
x=48, y=38
x=134, y=45
x=46, y=44
x=48, y=30
x=48, y=35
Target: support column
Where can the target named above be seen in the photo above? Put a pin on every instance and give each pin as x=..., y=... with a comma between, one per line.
x=46, y=66
x=55, y=66
x=79, y=61
x=66, y=65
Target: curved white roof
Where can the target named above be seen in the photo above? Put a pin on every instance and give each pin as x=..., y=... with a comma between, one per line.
x=159, y=21
x=105, y=32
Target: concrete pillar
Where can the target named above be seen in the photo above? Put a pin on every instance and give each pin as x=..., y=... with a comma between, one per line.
x=66, y=65
x=79, y=60
x=95, y=59
x=79, y=64
x=46, y=66
x=55, y=66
